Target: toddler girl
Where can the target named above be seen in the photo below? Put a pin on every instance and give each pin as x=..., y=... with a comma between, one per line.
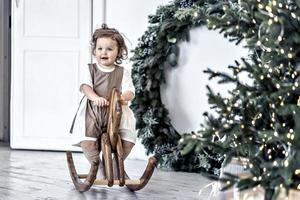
x=96, y=82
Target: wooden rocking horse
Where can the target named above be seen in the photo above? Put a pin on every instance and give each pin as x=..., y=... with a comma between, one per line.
x=110, y=143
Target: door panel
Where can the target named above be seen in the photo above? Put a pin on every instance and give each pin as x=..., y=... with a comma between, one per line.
x=50, y=44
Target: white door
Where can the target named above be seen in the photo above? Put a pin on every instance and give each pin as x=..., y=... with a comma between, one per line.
x=50, y=41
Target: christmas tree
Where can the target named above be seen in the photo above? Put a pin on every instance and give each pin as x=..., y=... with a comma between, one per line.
x=260, y=120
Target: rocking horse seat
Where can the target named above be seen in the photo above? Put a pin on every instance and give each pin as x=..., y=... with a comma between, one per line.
x=110, y=143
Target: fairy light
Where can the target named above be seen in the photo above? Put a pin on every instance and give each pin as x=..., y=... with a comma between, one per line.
x=266, y=66
x=260, y=6
x=279, y=38
x=294, y=15
x=217, y=134
x=194, y=136
x=282, y=51
x=261, y=77
x=280, y=5
x=297, y=171
x=258, y=43
x=286, y=163
x=268, y=75
x=270, y=22
x=261, y=147
x=242, y=126
x=283, y=124
x=268, y=8
x=181, y=140
x=274, y=3
x=292, y=136
x=290, y=55
x=276, y=19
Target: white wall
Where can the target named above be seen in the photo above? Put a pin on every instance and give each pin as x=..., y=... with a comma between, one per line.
x=185, y=92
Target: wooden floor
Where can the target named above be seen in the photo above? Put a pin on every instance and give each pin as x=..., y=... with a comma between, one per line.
x=41, y=175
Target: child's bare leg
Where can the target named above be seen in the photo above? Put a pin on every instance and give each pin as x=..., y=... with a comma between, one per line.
x=127, y=146
x=91, y=151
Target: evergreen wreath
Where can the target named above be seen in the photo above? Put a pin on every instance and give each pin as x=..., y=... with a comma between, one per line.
x=157, y=51
x=260, y=121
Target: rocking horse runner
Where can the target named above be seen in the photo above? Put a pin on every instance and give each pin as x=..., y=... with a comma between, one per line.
x=110, y=143
x=106, y=128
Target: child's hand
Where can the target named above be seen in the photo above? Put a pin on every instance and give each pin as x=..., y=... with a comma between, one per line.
x=100, y=101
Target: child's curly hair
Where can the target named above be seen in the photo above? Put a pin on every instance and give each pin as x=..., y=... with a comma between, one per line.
x=105, y=32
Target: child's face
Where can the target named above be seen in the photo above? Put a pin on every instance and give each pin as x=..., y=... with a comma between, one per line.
x=106, y=51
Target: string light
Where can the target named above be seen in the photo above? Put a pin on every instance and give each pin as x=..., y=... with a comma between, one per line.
x=258, y=43
x=270, y=22
x=297, y=171
x=286, y=163
x=268, y=8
